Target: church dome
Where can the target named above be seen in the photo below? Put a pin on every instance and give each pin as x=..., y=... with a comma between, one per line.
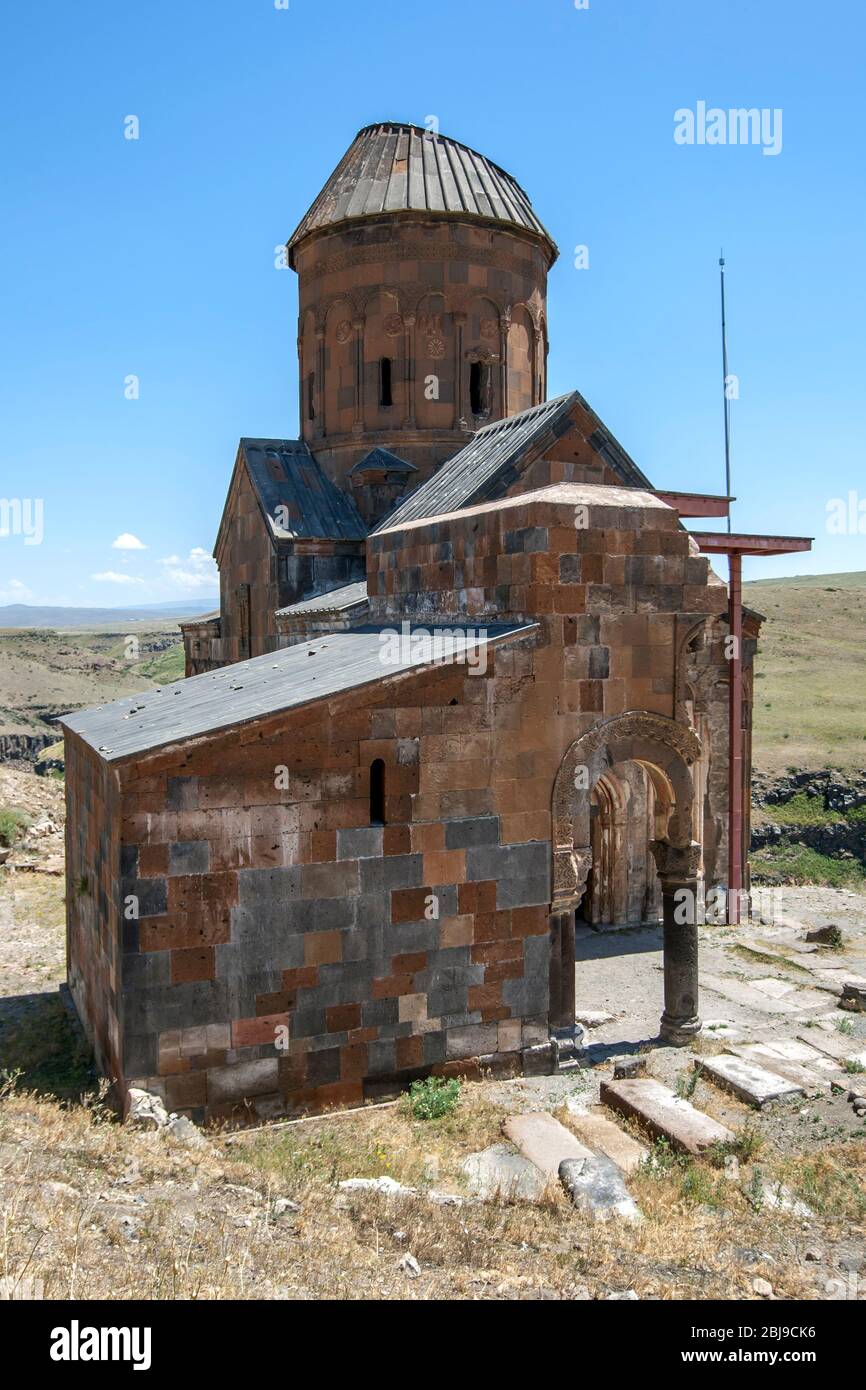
x=392, y=169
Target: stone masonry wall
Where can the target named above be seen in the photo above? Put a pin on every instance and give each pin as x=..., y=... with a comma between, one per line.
x=268, y=899
x=93, y=931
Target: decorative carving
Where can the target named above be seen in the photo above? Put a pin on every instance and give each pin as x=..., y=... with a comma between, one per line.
x=570, y=872
x=436, y=347
x=676, y=863
x=344, y=330
x=393, y=325
x=490, y=328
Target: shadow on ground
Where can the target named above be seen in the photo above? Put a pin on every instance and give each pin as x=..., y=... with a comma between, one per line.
x=43, y=1048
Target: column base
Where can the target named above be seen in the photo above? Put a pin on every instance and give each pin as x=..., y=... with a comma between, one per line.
x=567, y=1047
x=679, y=1031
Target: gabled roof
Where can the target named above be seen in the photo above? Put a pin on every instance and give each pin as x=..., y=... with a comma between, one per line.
x=265, y=685
x=496, y=455
x=298, y=500
x=334, y=601
x=381, y=460
x=395, y=168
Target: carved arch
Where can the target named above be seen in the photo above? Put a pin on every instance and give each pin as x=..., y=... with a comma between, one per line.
x=666, y=748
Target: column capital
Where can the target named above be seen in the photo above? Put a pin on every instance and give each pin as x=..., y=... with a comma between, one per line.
x=571, y=868
x=676, y=863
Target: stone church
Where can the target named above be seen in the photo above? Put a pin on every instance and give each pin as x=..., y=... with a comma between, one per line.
x=467, y=687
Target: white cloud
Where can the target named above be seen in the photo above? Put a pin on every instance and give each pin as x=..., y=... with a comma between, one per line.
x=197, y=571
x=15, y=592
x=112, y=577
x=127, y=541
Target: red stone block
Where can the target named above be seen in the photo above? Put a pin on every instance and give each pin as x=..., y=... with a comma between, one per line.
x=341, y=1017
x=409, y=1052
x=194, y=964
x=251, y=1032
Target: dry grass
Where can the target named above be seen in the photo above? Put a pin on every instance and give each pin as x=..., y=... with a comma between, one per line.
x=96, y=1210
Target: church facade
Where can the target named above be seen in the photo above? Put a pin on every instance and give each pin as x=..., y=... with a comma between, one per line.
x=468, y=685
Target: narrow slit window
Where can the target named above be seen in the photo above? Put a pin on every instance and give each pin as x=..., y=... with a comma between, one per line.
x=377, y=792
x=476, y=387
x=385, y=396
x=311, y=395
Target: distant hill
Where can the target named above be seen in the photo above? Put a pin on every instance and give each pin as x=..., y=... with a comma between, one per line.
x=810, y=685
x=36, y=615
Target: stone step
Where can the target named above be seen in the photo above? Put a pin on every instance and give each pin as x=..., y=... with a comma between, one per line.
x=596, y=1186
x=812, y=1082
x=606, y=1138
x=664, y=1114
x=544, y=1141
x=835, y=1045
x=746, y=1080
x=499, y=1172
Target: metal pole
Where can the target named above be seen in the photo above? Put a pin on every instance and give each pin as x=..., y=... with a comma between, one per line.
x=735, y=738
x=726, y=402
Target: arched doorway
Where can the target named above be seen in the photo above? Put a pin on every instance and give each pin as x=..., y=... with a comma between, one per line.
x=666, y=751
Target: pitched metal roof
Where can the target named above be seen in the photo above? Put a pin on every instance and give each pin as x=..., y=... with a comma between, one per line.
x=292, y=489
x=334, y=601
x=265, y=685
x=395, y=168
x=493, y=460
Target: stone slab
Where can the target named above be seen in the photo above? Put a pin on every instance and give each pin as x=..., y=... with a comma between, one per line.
x=773, y=986
x=745, y=992
x=544, y=1141
x=761, y=1055
x=740, y=993
x=596, y=1186
x=593, y=1018
x=664, y=1114
x=748, y=1081
x=499, y=1172
x=605, y=1137
x=793, y=1051
x=835, y=1045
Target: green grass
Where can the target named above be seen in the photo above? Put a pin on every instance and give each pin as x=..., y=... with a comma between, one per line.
x=809, y=810
x=165, y=667
x=12, y=826
x=791, y=863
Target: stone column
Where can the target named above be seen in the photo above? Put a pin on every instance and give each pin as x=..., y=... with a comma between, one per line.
x=538, y=368
x=409, y=356
x=459, y=322
x=320, y=384
x=358, y=426
x=678, y=871
x=571, y=870
x=504, y=326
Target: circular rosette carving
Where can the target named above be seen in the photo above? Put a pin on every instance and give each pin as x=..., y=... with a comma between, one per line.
x=435, y=347
x=393, y=325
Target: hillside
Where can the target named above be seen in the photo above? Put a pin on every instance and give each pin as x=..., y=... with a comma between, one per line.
x=44, y=673
x=810, y=707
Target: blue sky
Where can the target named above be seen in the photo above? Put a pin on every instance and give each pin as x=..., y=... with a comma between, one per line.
x=155, y=257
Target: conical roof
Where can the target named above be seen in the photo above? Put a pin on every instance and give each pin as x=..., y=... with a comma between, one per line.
x=400, y=169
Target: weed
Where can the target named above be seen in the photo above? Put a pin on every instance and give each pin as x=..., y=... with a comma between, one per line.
x=433, y=1097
